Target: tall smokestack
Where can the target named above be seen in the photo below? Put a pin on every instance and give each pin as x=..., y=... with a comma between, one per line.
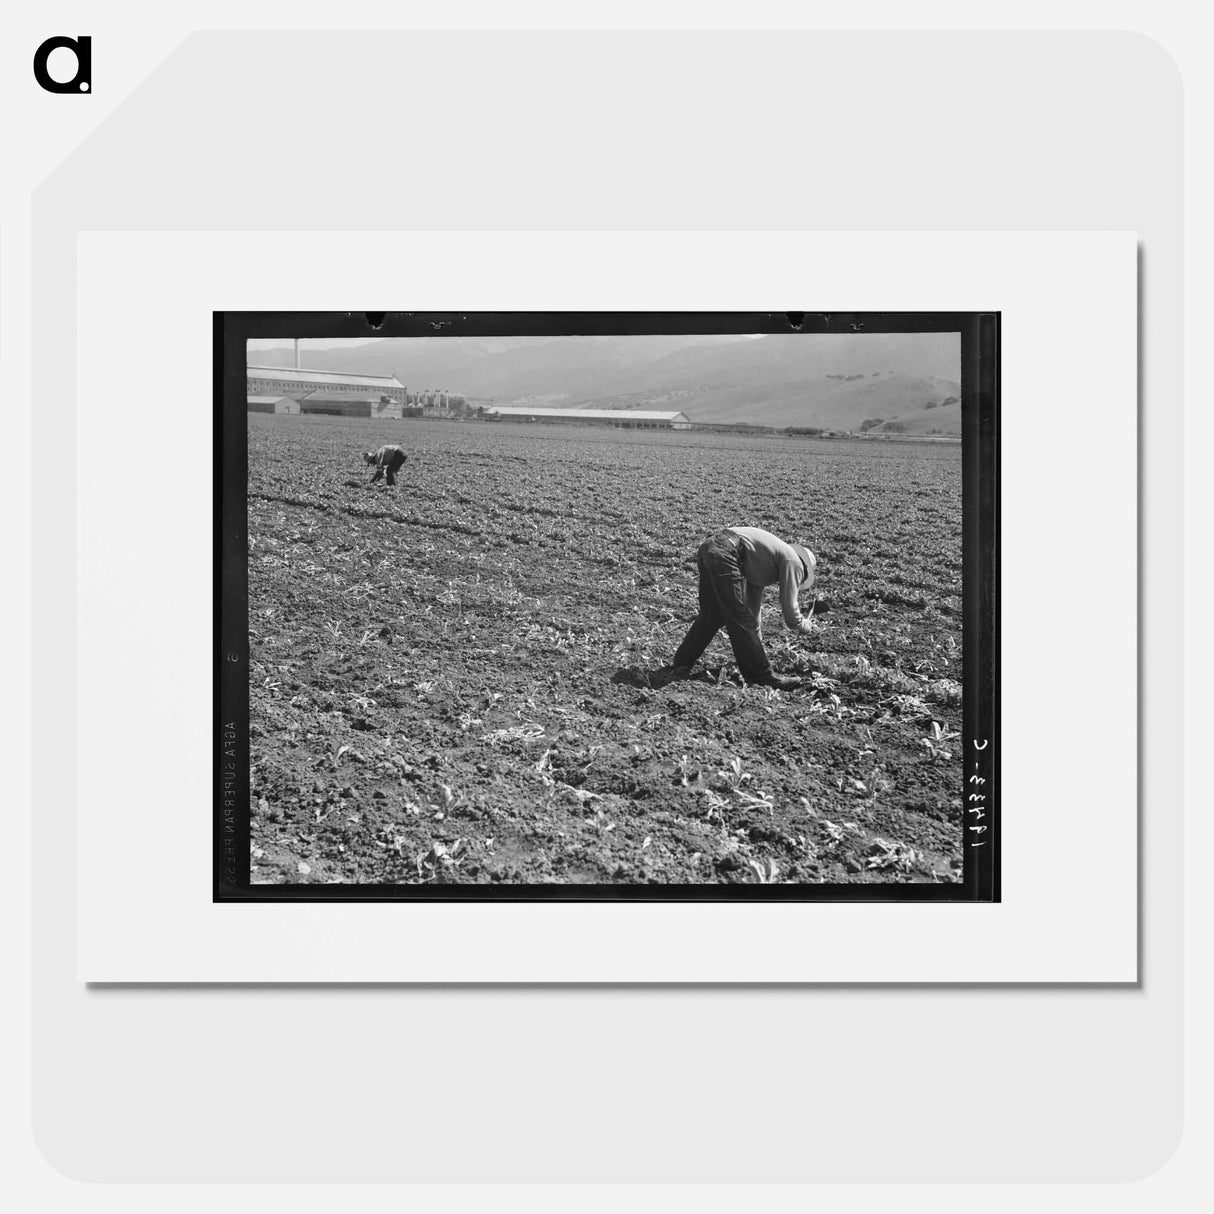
x=297, y=354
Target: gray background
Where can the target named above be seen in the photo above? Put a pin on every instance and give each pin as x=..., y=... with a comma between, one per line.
x=621, y=131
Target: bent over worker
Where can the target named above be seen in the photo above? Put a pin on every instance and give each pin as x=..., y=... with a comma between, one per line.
x=387, y=459
x=735, y=566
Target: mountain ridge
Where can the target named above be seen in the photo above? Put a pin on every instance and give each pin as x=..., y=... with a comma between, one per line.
x=837, y=381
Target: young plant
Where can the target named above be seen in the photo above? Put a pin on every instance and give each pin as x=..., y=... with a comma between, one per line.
x=439, y=861
x=765, y=871
x=734, y=776
x=757, y=800
x=936, y=745
x=895, y=855
x=716, y=807
x=685, y=771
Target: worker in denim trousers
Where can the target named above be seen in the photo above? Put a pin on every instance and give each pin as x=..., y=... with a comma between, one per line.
x=735, y=567
x=389, y=459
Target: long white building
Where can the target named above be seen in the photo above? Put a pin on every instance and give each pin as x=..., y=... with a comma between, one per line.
x=299, y=382
x=627, y=419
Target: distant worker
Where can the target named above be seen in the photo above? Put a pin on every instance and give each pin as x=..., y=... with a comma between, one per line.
x=387, y=459
x=735, y=566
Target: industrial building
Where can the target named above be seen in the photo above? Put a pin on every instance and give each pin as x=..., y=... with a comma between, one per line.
x=435, y=402
x=625, y=419
x=273, y=404
x=350, y=404
x=298, y=383
x=340, y=393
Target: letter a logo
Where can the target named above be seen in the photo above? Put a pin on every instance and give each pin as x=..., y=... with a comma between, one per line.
x=82, y=81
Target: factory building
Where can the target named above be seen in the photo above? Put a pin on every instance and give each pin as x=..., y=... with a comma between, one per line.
x=273, y=404
x=350, y=404
x=341, y=394
x=625, y=419
x=298, y=384
x=434, y=402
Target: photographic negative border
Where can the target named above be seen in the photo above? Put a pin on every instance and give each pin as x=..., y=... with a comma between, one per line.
x=979, y=337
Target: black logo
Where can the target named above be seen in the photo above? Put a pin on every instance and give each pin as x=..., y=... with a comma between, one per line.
x=82, y=48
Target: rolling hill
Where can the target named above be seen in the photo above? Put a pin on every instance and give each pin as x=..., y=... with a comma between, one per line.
x=836, y=381
x=816, y=402
x=506, y=368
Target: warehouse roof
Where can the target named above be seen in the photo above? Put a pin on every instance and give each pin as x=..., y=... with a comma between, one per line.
x=636, y=415
x=291, y=375
x=340, y=394
x=267, y=400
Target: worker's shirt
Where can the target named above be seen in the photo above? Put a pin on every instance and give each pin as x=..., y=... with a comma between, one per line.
x=769, y=561
x=384, y=456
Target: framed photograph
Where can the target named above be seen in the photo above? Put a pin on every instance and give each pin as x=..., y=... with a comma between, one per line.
x=586, y=537
x=588, y=606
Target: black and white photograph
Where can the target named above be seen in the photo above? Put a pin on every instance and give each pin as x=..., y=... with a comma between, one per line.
x=607, y=605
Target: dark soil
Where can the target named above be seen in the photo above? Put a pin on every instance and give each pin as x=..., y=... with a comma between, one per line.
x=460, y=679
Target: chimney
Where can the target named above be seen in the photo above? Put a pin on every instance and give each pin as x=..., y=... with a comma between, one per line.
x=297, y=354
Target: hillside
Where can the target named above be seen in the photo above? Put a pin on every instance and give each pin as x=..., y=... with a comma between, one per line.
x=836, y=381
x=506, y=368
x=818, y=402
x=775, y=360
x=943, y=420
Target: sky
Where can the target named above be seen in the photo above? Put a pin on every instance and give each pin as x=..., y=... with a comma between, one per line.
x=308, y=343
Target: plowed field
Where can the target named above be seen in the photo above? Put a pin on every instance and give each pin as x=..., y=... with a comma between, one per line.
x=456, y=679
